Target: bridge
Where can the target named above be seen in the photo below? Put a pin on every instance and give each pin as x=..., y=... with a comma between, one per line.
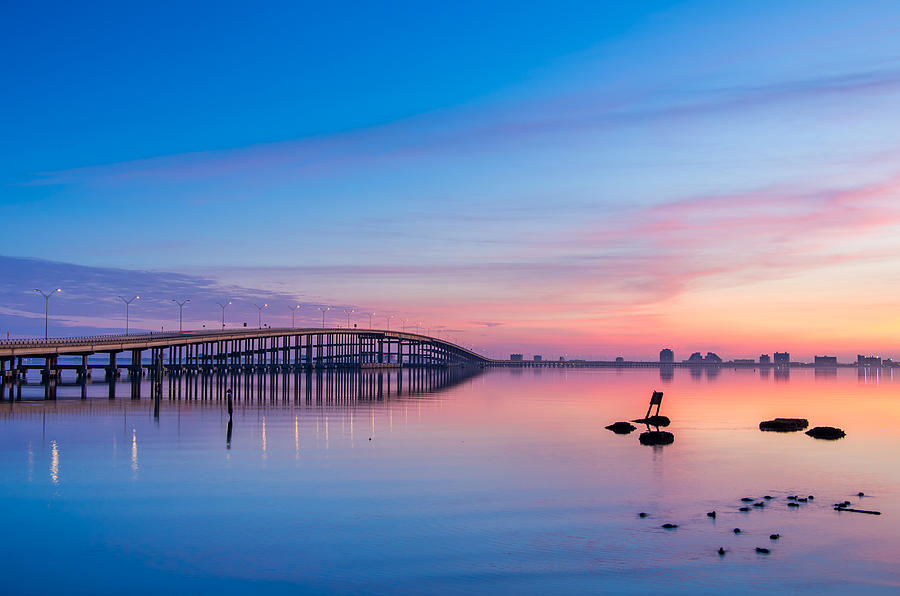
x=231, y=350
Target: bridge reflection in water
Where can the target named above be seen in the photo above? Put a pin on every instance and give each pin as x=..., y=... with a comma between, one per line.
x=310, y=386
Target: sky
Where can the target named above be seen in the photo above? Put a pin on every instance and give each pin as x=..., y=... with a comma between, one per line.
x=582, y=179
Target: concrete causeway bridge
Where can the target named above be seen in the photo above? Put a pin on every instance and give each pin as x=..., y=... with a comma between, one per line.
x=231, y=350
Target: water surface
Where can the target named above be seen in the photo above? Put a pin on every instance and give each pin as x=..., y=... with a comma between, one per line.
x=488, y=483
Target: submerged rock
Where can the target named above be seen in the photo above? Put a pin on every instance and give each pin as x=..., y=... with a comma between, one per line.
x=747, y=499
x=762, y=551
x=654, y=421
x=656, y=437
x=826, y=432
x=744, y=509
x=784, y=425
x=621, y=428
x=670, y=526
x=774, y=536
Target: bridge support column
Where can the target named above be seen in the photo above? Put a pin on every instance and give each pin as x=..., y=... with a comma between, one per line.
x=50, y=371
x=112, y=370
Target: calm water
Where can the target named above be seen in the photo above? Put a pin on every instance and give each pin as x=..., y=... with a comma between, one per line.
x=503, y=482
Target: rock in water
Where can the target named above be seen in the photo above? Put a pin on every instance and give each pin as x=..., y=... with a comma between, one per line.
x=762, y=551
x=826, y=432
x=670, y=526
x=711, y=514
x=784, y=425
x=721, y=550
x=656, y=437
x=621, y=428
x=654, y=421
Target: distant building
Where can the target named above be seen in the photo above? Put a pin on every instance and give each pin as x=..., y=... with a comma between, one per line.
x=538, y=358
x=712, y=357
x=696, y=357
x=516, y=357
x=562, y=358
x=868, y=360
x=620, y=360
x=744, y=361
x=666, y=355
x=826, y=360
x=782, y=358
x=764, y=359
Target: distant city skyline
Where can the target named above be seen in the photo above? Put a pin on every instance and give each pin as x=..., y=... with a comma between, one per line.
x=593, y=179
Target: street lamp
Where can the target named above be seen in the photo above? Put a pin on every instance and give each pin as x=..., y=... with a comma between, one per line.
x=349, y=312
x=127, y=304
x=371, y=314
x=324, y=309
x=293, y=312
x=46, y=302
x=402, y=325
x=180, y=309
x=222, y=306
x=417, y=326
x=259, y=313
x=389, y=317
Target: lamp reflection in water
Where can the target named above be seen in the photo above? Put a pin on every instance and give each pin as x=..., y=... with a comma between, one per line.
x=134, y=452
x=264, y=437
x=54, y=463
x=297, y=436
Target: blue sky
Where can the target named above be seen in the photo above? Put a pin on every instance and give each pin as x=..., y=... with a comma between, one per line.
x=503, y=163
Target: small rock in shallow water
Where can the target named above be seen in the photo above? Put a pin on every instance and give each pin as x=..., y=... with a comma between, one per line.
x=784, y=425
x=747, y=499
x=744, y=509
x=670, y=526
x=829, y=433
x=792, y=498
x=721, y=551
x=736, y=530
x=774, y=536
x=711, y=514
x=621, y=428
x=762, y=551
x=760, y=504
x=860, y=494
x=654, y=421
x=802, y=499
x=810, y=497
x=767, y=497
x=642, y=514
x=793, y=504
x=656, y=437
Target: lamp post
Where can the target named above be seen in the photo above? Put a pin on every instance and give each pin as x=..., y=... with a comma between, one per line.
x=349, y=312
x=259, y=314
x=180, y=309
x=293, y=312
x=371, y=314
x=417, y=326
x=324, y=309
x=389, y=317
x=46, y=302
x=127, y=304
x=223, y=306
x=402, y=325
